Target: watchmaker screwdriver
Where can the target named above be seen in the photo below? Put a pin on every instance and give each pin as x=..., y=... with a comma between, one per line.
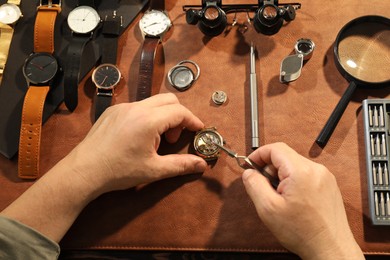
x=254, y=101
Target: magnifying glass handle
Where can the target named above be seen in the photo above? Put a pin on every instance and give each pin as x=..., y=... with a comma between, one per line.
x=334, y=118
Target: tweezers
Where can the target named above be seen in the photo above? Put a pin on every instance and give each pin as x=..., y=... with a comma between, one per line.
x=246, y=163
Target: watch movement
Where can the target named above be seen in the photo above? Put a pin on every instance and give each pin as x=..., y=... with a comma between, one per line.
x=204, y=143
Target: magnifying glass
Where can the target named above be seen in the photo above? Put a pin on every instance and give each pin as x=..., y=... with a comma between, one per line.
x=362, y=56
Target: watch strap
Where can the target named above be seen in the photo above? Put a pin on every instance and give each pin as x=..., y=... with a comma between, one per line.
x=145, y=76
x=6, y=33
x=30, y=132
x=157, y=5
x=44, y=28
x=102, y=101
x=111, y=30
x=72, y=70
x=15, y=2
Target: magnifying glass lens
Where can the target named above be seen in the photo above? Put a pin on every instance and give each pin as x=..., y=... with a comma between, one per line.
x=364, y=52
x=270, y=12
x=211, y=13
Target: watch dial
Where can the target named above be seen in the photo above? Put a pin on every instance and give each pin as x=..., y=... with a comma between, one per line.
x=154, y=23
x=9, y=13
x=83, y=19
x=106, y=76
x=40, y=68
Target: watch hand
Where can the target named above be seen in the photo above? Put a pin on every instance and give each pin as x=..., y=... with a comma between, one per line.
x=151, y=24
x=86, y=16
x=104, y=80
x=48, y=64
x=36, y=65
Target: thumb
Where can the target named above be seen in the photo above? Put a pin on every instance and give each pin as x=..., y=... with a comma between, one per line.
x=263, y=195
x=180, y=164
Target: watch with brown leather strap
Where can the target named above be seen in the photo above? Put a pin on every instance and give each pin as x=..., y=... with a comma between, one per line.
x=40, y=69
x=154, y=24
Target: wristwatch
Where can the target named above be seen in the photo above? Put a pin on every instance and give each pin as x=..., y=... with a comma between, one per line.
x=9, y=14
x=107, y=75
x=154, y=24
x=40, y=69
x=82, y=20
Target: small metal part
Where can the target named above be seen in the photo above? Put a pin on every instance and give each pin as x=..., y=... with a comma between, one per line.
x=305, y=47
x=387, y=204
x=380, y=175
x=386, y=174
x=381, y=117
x=376, y=204
x=376, y=119
x=378, y=145
x=204, y=143
x=181, y=76
x=383, y=211
x=374, y=177
x=384, y=151
x=370, y=115
x=219, y=97
x=372, y=145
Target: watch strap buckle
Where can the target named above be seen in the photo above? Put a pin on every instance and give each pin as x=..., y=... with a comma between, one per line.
x=50, y=3
x=105, y=93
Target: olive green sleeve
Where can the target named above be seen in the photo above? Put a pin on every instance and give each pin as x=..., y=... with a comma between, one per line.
x=18, y=241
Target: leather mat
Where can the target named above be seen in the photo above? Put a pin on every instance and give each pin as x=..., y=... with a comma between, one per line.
x=212, y=211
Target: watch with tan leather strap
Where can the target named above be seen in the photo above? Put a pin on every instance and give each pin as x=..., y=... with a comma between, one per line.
x=40, y=69
x=154, y=24
x=9, y=14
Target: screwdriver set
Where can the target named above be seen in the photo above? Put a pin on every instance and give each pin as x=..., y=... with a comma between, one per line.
x=376, y=115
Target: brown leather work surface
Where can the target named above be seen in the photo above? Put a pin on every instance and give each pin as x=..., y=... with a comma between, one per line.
x=212, y=211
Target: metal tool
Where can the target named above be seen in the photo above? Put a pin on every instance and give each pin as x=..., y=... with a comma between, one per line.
x=254, y=102
x=246, y=163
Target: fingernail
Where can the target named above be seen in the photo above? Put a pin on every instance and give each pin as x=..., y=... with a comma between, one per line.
x=246, y=174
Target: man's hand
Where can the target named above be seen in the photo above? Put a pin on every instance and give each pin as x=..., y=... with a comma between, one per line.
x=306, y=212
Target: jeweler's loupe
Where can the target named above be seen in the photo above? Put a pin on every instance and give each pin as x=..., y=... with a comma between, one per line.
x=291, y=66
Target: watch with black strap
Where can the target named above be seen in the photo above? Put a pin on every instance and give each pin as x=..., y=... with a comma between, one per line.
x=107, y=75
x=154, y=24
x=40, y=69
x=82, y=20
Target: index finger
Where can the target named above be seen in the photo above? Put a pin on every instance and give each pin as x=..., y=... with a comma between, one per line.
x=175, y=115
x=280, y=156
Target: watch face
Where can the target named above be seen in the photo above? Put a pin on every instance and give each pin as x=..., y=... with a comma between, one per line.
x=83, y=19
x=106, y=76
x=9, y=13
x=154, y=23
x=40, y=68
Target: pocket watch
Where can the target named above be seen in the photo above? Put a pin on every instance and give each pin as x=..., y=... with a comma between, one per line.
x=204, y=143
